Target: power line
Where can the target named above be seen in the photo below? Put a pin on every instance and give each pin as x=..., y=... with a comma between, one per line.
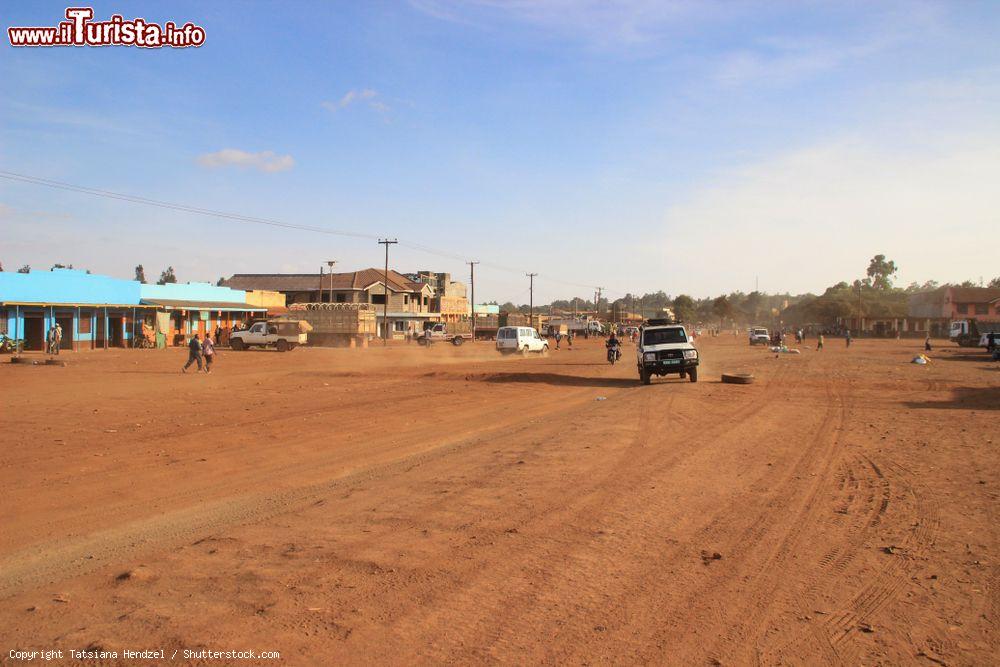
x=236, y=217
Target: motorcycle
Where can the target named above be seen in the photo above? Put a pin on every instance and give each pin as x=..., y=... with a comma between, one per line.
x=614, y=354
x=9, y=345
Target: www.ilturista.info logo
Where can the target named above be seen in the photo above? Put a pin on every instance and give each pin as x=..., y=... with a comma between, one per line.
x=80, y=30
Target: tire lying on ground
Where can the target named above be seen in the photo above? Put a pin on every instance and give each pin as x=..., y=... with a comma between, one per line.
x=737, y=378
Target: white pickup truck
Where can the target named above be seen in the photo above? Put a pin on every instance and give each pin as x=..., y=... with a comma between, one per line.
x=441, y=332
x=282, y=335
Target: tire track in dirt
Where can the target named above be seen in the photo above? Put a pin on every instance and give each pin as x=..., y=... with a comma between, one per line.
x=741, y=625
x=73, y=557
x=532, y=569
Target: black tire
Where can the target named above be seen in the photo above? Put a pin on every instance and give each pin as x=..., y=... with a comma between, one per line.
x=737, y=378
x=524, y=351
x=236, y=344
x=683, y=374
x=457, y=341
x=693, y=373
x=421, y=341
x=644, y=376
x=282, y=345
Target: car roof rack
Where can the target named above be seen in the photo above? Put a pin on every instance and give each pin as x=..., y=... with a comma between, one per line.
x=656, y=322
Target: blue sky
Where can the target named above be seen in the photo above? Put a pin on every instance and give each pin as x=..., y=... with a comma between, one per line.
x=637, y=145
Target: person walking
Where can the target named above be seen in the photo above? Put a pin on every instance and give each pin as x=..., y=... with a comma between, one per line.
x=847, y=338
x=194, y=353
x=927, y=343
x=208, y=351
x=558, y=338
x=58, y=341
x=50, y=340
x=819, y=343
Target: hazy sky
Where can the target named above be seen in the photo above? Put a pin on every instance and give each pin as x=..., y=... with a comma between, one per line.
x=634, y=144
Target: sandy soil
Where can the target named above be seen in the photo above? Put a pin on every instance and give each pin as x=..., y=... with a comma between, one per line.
x=406, y=505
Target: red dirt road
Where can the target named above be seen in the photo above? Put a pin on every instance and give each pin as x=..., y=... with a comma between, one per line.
x=445, y=505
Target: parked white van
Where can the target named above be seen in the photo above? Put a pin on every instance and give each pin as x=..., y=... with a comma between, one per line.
x=520, y=339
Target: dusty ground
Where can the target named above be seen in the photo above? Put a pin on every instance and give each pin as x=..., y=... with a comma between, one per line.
x=410, y=505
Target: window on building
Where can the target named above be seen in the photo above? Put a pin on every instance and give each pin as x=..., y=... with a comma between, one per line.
x=982, y=309
x=406, y=299
x=377, y=298
x=86, y=317
x=341, y=297
x=399, y=325
x=962, y=308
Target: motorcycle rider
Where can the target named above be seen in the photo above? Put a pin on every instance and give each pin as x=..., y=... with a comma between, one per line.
x=612, y=343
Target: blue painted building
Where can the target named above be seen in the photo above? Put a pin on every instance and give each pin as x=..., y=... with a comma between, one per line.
x=101, y=312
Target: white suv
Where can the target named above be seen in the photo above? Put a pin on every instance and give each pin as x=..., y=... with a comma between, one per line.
x=664, y=348
x=520, y=339
x=760, y=336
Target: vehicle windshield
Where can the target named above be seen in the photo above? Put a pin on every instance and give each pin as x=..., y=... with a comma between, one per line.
x=760, y=332
x=662, y=336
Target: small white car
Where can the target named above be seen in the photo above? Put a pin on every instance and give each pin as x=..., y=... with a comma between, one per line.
x=520, y=339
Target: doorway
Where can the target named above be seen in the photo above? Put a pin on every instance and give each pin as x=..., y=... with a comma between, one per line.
x=34, y=332
x=115, y=329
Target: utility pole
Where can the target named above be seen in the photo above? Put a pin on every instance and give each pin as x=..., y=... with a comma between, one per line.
x=531, y=298
x=597, y=304
x=472, y=283
x=385, y=287
x=330, y=263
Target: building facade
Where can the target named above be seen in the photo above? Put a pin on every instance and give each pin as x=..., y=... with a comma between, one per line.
x=96, y=311
x=410, y=303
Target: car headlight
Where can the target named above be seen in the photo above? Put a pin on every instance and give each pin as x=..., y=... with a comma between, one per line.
x=649, y=356
x=690, y=354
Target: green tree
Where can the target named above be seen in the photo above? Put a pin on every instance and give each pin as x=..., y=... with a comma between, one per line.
x=995, y=283
x=881, y=271
x=684, y=307
x=25, y=269
x=168, y=276
x=722, y=308
x=140, y=274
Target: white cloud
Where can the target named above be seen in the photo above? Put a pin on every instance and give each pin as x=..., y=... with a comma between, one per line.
x=266, y=161
x=365, y=95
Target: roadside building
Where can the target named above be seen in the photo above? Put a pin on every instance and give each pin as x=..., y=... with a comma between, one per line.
x=183, y=310
x=934, y=311
x=93, y=311
x=450, y=296
x=409, y=302
x=97, y=311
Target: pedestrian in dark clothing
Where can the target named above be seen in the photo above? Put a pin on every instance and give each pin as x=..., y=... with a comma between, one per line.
x=194, y=353
x=927, y=344
x=847, y=338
